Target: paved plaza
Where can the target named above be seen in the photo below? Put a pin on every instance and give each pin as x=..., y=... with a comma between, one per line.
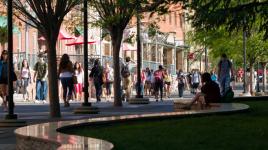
x=34, y=113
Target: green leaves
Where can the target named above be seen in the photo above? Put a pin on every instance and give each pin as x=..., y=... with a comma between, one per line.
x=232, y=14
x=3, y=34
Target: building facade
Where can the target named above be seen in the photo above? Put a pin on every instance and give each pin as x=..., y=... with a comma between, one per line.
x=166, y=47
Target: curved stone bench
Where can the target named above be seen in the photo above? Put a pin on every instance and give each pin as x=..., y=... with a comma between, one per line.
x=46, y=136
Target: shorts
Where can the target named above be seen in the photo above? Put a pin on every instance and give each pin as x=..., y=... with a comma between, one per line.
x=3, y=89
x=195, y=85
x=167, y=83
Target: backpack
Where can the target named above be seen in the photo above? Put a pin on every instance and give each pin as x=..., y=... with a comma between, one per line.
x=125, y=71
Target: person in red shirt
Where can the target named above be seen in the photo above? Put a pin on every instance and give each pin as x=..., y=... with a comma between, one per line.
x=158, y=76
x=143, y=78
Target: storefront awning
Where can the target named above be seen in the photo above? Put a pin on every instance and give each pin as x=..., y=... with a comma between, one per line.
x=79, y=40
x=63, y=35
x=3, y=23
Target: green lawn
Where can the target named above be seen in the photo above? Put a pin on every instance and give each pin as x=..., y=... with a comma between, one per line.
x=245, y=131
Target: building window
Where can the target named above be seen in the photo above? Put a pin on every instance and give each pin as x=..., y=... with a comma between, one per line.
x=175, y=18
x=170, y=18
x=181, y=20
x=106, y=49
x=164, y=18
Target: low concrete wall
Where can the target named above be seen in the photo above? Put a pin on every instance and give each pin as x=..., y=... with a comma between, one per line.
x=46, y=135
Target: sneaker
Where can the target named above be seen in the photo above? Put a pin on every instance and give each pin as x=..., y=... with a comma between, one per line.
x=44, y=101
x=37, y=102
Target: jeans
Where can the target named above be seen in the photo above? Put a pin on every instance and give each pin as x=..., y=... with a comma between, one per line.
x=98, y=87
x=67, y=85
x=41, y=90
x=224, y=84
x=142, y=88
x=25, y=83
x=181, y=89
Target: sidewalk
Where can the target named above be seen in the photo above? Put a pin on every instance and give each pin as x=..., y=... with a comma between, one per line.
x=34, y=113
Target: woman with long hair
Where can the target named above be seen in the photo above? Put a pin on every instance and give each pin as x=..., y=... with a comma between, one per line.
x=65, y=74
x=25, y=76
x=79, y=73
x=109, y=79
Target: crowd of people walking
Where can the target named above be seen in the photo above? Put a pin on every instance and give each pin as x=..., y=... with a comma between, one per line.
x=159, y=83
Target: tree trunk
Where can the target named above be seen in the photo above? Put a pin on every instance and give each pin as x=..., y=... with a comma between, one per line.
x=116, y=42
x=264, y=77
x=53, y=79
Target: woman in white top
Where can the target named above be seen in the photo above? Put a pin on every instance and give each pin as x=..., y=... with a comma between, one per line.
x=25, y=75
x=79, y=73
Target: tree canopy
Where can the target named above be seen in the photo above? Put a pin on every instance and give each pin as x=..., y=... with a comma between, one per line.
x=47, y=16
x=233, y=14
x=114, y=16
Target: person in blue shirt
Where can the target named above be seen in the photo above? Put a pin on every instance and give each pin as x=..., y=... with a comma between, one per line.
x=214, y=76
x=4, y=78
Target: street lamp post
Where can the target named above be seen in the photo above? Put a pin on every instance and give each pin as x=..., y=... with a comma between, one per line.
x=206, y=59
x=139, y=99
x=86, y=94
x=244, y=50
x=86, y=106
x=175, y=56
x=10, y=114
x=258, y=82
x=174, y=50
x=139, y=94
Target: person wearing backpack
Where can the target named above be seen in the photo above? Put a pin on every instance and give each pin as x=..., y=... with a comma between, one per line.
x=125, y=73
x=97, y=75
x=158, y=83
x=225, y=73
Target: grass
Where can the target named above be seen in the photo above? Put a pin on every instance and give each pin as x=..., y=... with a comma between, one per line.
x=247, y=131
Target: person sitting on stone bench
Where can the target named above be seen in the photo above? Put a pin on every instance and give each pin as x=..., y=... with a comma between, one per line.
x=210, y=92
